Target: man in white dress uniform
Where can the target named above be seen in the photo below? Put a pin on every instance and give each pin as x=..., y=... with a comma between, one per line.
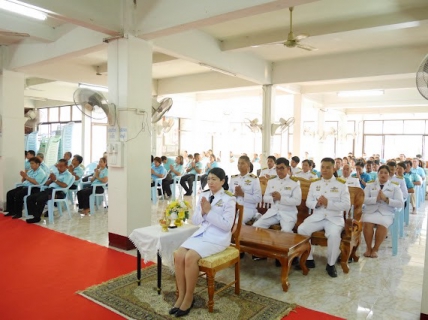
x=346, y=175
x=329, y=198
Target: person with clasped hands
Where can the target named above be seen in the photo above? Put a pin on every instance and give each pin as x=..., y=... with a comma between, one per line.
x=215, y=213
x=381, y=197
x=328, y=197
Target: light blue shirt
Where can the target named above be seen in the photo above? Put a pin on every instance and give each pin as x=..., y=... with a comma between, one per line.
x=169, y=161
x=46, y=169
x=413, y=177
x=419, y=171
x=103, y=174
x=198, y=165
x=65, y=177
x=213, y=165
x=177, y=167
x=158, y=170
x=78, y=171
x=339, y=173
x=373, y=175
x=27, y=165
x=39, y=175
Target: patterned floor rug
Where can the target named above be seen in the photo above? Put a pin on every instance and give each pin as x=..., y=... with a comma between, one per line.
x=125, y=297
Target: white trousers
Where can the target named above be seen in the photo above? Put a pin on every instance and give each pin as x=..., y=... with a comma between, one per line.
x=287, y=223
x=249, y=213
x=332, y=232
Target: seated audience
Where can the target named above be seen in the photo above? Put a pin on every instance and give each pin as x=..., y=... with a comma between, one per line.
x=381, y=197
x=29, y=155
x=270, y=169
x=175, y=170
x=346, y=175
x=210, y=165
x=293, y=165
x=416, y=180
x=215, y=212
x=15, y=197
x=399, y=180
x=43, y=165
x=284, y=194
x=401, y=167
x=328, y=197
x=68, y=156
x=338, y=166
x=193, y=168
x=36, y=202
x=370, y=171
x=362, y=176
x=306, y=172
x=76, y=170
x=246, y=188
x=100, y=176
x=158, y=171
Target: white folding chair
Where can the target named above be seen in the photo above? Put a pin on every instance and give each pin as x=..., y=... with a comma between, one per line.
x=96, y=199
x=59, y=202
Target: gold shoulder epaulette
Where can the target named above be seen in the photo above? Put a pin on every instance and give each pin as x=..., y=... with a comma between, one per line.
x=313, y=172
x=399, y=177
x=234, y=175
x=272, y=177
x=252, y=175
x=341, y=180
x=396, y=183
x=315, y=179
x=264, y=168
x=229, y=193
x=294, y=178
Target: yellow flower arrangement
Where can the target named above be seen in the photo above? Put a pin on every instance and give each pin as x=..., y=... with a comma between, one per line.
x=180, y=208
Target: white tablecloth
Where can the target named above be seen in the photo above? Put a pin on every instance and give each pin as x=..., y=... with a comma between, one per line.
x=150, y=240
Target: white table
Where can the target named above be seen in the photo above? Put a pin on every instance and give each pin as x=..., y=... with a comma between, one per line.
x=154, y=245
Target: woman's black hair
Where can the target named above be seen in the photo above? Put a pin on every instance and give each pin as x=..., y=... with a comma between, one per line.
x=384, y=167
x=218, y=172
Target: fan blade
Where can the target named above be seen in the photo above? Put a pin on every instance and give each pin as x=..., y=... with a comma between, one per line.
x=301, y=36
x=306, y=47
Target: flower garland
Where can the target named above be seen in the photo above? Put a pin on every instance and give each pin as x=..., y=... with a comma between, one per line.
x=179, y=207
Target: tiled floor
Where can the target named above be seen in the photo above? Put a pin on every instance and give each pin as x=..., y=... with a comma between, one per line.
x=384, y=288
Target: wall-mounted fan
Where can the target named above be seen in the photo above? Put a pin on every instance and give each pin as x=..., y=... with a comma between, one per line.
x=422, y=78
x=165, y=125
x=94, y=105
x=331, y=132
x=31, y=119
x=160, y=108
x=282, y=126
x=253, y=125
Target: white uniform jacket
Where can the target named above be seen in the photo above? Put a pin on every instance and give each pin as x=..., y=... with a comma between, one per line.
x=306, y=175
x=337, y=193
x=291, y=196
x=352, y=182
x=250, y=184
x=391, y=190
x=402, y=185
x=295, y=170
x=270, y=172
x=217, y=224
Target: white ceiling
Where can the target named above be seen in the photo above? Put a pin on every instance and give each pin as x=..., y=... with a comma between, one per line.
x=238, y=37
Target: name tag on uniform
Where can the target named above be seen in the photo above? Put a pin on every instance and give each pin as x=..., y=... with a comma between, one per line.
x=318, y=188
x=334, y=189
x=247, y=182
x=219, y=203
x=388, y=190
x=287, y=188
x=236, y=183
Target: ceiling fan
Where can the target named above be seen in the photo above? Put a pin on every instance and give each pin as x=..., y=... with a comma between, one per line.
x=13, y=34
x=294, y=41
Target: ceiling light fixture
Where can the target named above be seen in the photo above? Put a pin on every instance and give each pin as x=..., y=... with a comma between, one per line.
x=217, y=69
x=360, y=93
x=93, y=87
x=23, y=9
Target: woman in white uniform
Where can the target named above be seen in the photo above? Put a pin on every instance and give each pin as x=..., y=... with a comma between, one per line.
x=382, y=196
x=215, y=213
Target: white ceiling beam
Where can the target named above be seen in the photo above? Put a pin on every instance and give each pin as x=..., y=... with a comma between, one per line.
x=199, y=82
x=407, y=81
x=379, y=104
x=161, y=18
x=199, y=47
x=371, y=63
x=378, y=111
x=368, y=25
x=79, y=41
x=36, y=30
x=99, y=15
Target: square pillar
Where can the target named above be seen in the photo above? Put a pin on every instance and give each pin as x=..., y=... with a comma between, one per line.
x=268, y=108
x=12, y=134
x=130, y=89
x=297, y=128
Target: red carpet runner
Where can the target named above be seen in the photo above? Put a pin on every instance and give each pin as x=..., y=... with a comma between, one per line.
x=41, y=269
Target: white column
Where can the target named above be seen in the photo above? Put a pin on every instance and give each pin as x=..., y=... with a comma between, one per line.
x=298, y=123
x=225, y=143
x=268, y=119
x=424, y=305
x=12, y=133
x=320, y=132
x=130, y=88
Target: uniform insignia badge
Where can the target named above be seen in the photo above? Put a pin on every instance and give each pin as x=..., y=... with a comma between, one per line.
x=318, y=188
x=388, y=190
x=219, y=203
x=247, y=182
x=287, y=188
x=334, y=189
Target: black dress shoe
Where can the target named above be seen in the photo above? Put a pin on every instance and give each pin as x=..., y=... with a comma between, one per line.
x=242, y=255
x=9, y=214
x=181, y=313
x=173, y=310
x=310, y=264
x=17, y=216
x=331, y=270
x=33, y=220
x=255, y=258
x=188, y=193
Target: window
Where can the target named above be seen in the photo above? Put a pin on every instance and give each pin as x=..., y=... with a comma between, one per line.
x=53, y=114
x=371, y=127
x=393, y=127
x=65, y=114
